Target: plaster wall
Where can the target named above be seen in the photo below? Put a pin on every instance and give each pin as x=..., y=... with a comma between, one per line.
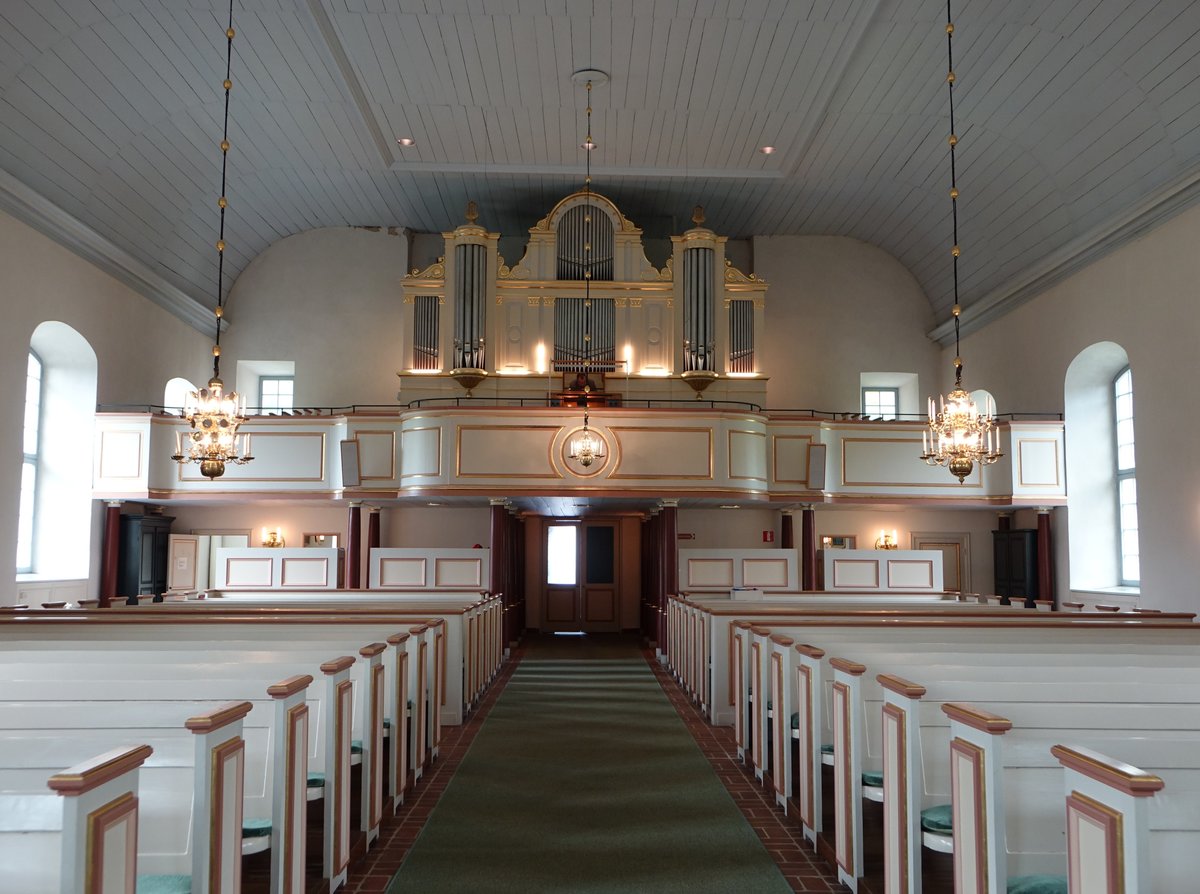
x=328, y=299
x=138, y=347
x=837, y=307
x=1142, y=297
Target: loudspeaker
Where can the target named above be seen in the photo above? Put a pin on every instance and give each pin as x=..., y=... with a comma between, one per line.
x=816, y=466
x=351, y=475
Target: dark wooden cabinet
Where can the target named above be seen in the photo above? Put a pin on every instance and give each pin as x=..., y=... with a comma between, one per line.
x=142, y=565
x=1015, y=563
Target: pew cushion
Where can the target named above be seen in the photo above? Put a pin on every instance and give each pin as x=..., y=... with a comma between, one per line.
x=826, y=749
x=164, y=884
x=796, y=720
x=938, y=819
x=256, y=828
x=315, y=780
x=356, y=746
x=1038, y=884
x=873, y=778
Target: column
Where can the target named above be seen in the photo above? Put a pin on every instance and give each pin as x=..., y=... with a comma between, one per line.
x=1004, y=521
x=787, y=539
x=808, y=547
x=354, y=546
x=110, y=552
x=1045, y=548
x=372, y=535
x=498, y=557
x=670, y=557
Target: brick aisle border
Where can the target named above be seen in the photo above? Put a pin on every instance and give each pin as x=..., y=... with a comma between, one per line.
x=782, y=838
x=398, y=833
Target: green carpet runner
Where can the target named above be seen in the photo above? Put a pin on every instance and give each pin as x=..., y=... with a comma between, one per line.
x=584, y=779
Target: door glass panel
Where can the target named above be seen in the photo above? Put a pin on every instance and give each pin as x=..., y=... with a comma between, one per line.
x=600, y=542
x=560, y=555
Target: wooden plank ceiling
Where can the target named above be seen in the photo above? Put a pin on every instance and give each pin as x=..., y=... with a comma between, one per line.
x=1072, y=112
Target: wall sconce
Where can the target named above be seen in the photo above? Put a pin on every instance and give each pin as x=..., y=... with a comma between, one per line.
x=887, y=541
x=273, y=538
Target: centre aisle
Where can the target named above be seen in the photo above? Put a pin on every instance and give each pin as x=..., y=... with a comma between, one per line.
x=584, y=778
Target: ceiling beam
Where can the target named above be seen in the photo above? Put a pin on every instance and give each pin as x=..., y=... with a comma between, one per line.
x=47, y=218
x=1158, y=207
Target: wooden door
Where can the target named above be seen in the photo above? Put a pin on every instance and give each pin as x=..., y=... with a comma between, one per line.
x=955, y=548
x=582, y=591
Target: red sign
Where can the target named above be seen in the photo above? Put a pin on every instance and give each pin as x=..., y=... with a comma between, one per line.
x=768, y=536
x=686, y=536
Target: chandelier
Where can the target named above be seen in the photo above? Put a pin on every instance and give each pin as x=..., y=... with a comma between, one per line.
x=586, y=447
x=958, y=435
x=214, y=414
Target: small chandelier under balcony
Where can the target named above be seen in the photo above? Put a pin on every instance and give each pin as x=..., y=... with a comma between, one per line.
x=586, y=447
x=959, y=435
x=213, y=413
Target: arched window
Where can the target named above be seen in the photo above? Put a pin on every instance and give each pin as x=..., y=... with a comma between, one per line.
x=27, y=519
x=1126, y=472
x=54, y=526
x=1102, y=492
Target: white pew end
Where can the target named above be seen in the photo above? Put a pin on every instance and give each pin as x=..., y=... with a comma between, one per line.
x=1108, y=811
x=847, y=775
x=398, y=734
x=219, y=792
x=903, y=783
x=340, y=701
x=374, y=700
x=808, y=724
x=977, y=799
x=99, y=827
x=289, y=818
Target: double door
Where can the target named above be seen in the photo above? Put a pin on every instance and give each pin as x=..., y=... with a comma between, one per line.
x=581, y=584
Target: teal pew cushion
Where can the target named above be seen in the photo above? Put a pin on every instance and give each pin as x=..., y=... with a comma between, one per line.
x=1038, y=884
x=938, y=819
x=256, y=828
x=164, y=884
x=873, y=777
x=356, y=746
x=826, y=749
x=796, y=720
x=316, y=780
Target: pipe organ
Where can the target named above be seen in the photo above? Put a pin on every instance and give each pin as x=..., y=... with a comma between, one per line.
x=583, y=297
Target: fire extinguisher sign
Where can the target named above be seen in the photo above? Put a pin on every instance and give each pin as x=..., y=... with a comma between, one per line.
x=768, y=536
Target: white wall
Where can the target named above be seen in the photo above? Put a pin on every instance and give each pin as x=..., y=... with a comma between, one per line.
x=138, y=346
x=837, y=307
x=1143, y=297
x=330, y=300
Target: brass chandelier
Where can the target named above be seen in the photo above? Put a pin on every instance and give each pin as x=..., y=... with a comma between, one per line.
x=959, y=435
x=214, y=414
x=586, y=447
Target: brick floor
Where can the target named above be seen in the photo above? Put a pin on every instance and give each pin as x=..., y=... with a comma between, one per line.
x=783, y=839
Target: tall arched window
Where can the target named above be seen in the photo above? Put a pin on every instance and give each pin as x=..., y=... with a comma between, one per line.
x=27, y=519
x=54, y=524
x=1102, y=492
x=1126, y=478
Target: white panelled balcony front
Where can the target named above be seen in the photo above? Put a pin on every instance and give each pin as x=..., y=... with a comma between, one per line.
x=509, y=451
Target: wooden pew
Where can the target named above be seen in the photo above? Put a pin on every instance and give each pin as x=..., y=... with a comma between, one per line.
x=1009, y=671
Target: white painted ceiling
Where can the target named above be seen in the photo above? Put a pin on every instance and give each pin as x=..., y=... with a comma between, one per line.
x=1079, y=121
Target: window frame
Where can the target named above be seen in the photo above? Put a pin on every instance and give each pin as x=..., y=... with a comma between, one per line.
x=34, y=460
x=890, y=389
x=1124, y=474
x=262, y=380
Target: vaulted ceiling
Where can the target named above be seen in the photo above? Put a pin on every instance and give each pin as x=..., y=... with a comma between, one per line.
x=1079, y=122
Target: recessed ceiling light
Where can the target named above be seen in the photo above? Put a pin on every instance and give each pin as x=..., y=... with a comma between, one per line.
x=766, y=150
x=406, y=142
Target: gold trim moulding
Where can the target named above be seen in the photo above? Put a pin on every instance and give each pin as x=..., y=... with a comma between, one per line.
x=222, y=716
x=977, y=718
x=290, y=686
x=901, y=686
x=1117, y=774
x=84, y=777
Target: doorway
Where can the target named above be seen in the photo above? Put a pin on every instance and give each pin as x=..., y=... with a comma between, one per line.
x=581, y=580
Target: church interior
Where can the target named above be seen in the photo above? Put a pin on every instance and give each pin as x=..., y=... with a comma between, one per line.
x=585, y=445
